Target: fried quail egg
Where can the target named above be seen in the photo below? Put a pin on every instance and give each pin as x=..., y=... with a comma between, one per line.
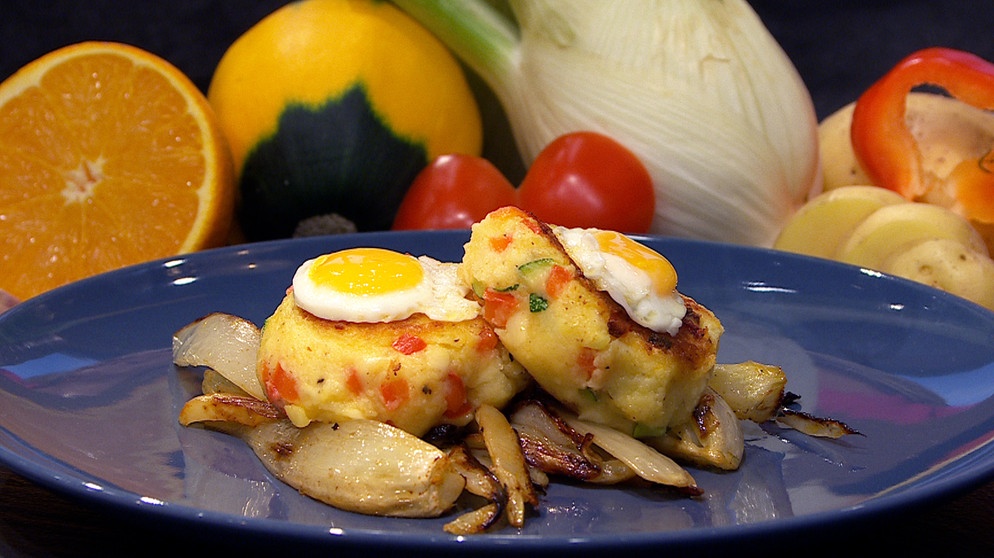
x=379, y=285
x=638, y=278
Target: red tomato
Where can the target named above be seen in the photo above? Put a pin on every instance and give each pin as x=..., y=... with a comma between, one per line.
x=582, y=179
x=585, y=179
x=453, y=192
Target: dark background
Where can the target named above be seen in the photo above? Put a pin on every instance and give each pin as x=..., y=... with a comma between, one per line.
x=838, y=46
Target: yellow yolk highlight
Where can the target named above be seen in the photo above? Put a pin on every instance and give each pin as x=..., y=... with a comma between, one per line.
x=378, y=285
x=366, y=271
x=660, y=271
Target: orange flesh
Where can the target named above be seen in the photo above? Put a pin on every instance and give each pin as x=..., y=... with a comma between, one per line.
x=105, y=156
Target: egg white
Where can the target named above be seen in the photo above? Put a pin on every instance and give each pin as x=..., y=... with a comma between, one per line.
x=439, y=295
x=628, y=285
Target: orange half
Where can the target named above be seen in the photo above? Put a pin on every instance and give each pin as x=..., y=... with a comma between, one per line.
x=109, y=156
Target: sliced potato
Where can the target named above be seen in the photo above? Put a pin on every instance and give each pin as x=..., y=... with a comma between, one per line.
x=824, y=223
x=892, y=229
x=948, y=265
x=947, y=132
x=839, y=166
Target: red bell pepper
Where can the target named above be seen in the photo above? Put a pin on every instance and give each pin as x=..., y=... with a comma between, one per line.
x=394, y=393
x=498, y=307
x=280, y=385
x=408, y=344
x=456, y=402
x=885, y=147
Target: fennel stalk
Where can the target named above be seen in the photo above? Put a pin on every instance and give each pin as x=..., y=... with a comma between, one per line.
x=698, y=89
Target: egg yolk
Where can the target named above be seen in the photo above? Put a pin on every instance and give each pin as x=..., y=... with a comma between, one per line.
x=366, y=271
x=660, y=271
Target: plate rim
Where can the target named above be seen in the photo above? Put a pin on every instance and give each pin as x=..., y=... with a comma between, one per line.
x=44, y=474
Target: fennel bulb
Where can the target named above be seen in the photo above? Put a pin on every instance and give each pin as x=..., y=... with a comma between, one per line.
x=698, y=89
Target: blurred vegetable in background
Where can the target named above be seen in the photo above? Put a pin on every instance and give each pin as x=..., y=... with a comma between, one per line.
x=333, y=107
x=888, y=151
x=909, y=177
x=453, y=192
x=581, y=179
x=698, y=89
x=879, y=229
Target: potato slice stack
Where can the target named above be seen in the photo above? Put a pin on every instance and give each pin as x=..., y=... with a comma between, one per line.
x=878, y=229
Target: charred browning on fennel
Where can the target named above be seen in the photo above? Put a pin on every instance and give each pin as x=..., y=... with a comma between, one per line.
x=809, y=424
x=282, y=450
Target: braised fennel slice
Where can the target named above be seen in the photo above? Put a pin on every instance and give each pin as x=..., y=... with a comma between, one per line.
x=487, y=474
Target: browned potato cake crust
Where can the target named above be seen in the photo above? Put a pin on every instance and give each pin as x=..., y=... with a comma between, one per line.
x=575, y=340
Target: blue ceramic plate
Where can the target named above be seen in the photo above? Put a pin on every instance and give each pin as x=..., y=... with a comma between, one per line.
x=89, y=400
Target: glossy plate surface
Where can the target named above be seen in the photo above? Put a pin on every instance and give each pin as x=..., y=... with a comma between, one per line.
x=89, y=400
